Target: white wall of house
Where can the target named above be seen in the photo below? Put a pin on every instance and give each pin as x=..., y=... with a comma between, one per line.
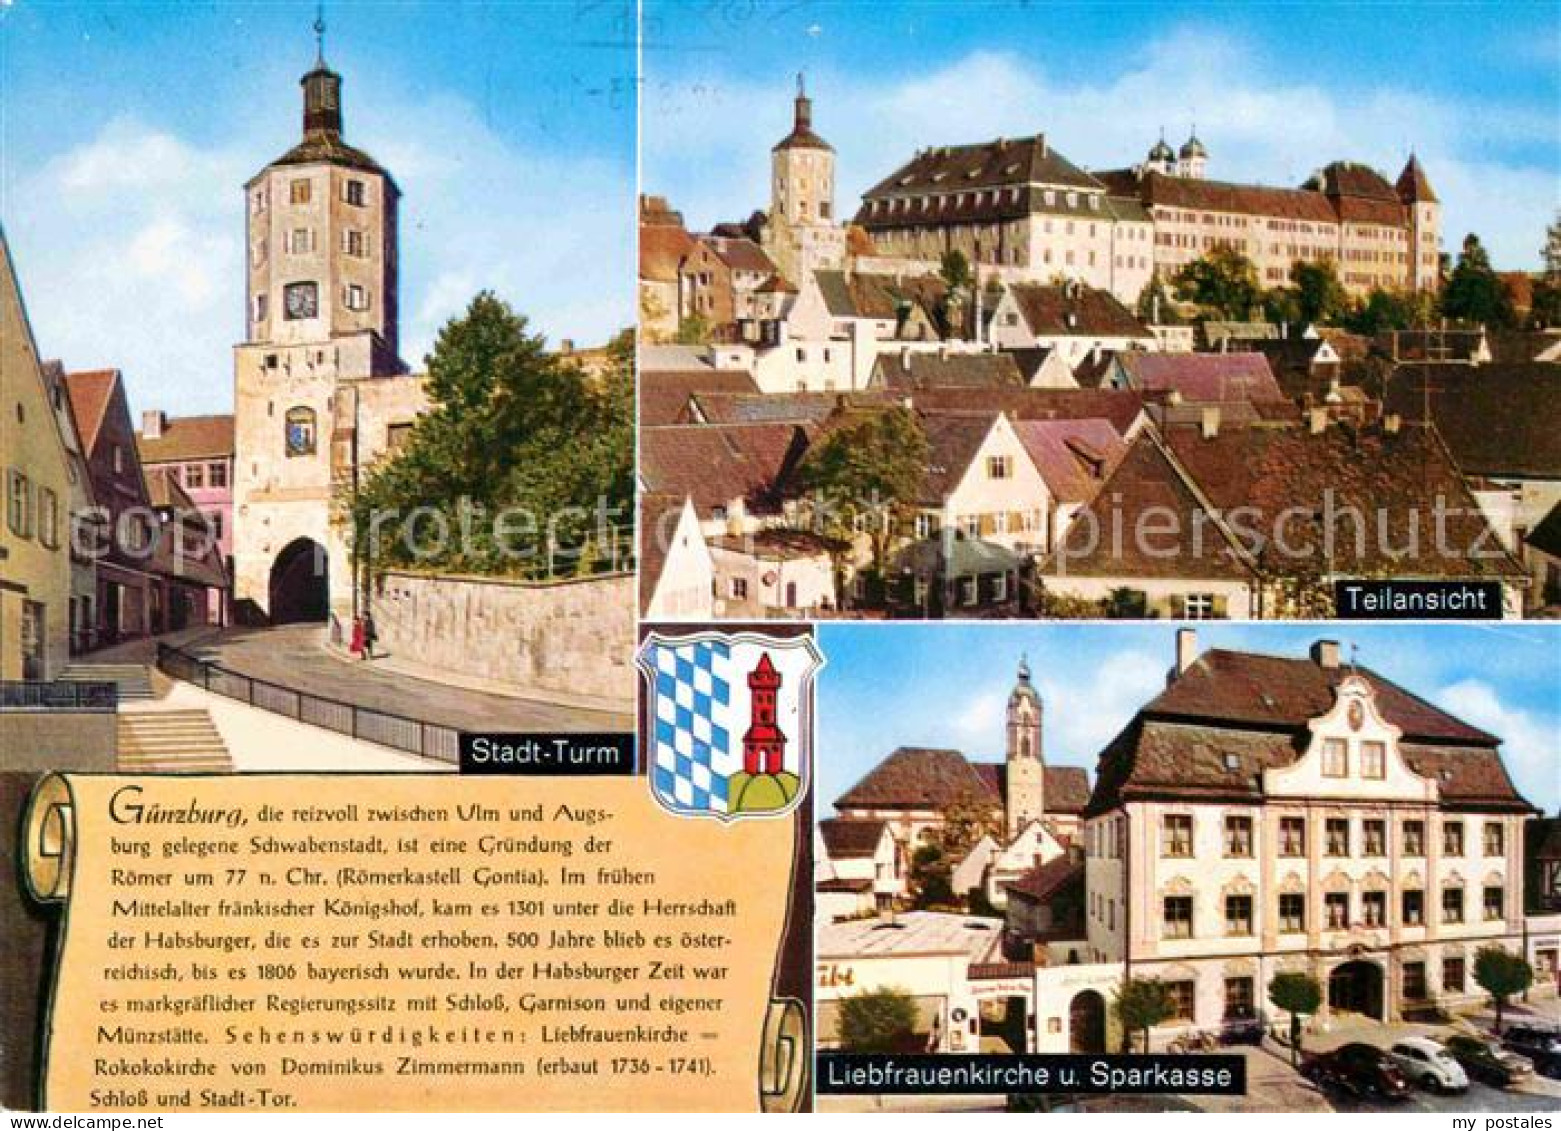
x=1160, y=593
x=684, y=590
x=1008, y=509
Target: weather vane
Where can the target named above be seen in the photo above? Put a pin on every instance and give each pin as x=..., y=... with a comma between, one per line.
x=319, y=31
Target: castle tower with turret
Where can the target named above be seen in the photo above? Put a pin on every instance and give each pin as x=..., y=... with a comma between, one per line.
x=801, y=234
x=764, y=745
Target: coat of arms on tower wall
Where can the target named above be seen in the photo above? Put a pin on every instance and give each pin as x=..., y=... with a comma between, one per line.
x=728, y=721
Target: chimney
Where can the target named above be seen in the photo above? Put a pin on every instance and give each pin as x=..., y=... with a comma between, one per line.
x=1325, y=654
x=1186, y=651
x=1317, y=420
x=1210, y=421
x=153, y=423
x=566, y=347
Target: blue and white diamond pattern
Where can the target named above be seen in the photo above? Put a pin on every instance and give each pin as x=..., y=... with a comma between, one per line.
x=694, y=755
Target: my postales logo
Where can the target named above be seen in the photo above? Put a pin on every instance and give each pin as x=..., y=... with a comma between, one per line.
x=730, y=722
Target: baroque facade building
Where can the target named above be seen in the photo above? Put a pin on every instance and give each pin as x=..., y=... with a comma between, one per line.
x=1267, y=814
x=1022, y=208
x=319, y=388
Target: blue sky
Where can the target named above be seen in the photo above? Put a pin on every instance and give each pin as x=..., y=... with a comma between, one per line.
x=947, y=685
x=1276, y=90
x=127, y=131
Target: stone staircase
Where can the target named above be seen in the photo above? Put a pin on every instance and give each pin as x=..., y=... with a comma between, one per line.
x=133, y=680
x=171, y=742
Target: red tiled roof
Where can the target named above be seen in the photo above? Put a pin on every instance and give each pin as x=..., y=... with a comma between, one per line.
x=187, y=438
x=1145, y=479
x=90, y=392
x=1252, y=688
x=664, y=393
x=921, y=370
x=846, y=838
x=714, y=464
x=1074, y=457
x=662, y=248
x=1396, y=479
x=1232, y=715
x=1120, y=406
x=1413, y=185
x=1046, y=880
x=1195, y=194
x=916, y=777
x=740, y=254
x=953, y=440
x=1072, y=309
x=1203, y=377
x=1496, y=419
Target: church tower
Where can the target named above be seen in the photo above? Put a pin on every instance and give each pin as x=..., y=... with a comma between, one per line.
x=801, y=234
x=320, y=321
x=1026, y=764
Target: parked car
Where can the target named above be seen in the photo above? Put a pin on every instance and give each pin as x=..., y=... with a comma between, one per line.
x=1360, y=1069
x=1428, y=1064
x=1539, y=1043
x=1488, y=1063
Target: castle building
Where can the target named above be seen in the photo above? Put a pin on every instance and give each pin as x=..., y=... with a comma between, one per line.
x=319, y=388
x=801, y=233
x=1020, y=206
x=1267, y=814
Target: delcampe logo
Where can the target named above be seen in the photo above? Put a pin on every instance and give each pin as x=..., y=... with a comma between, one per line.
x=730, y=721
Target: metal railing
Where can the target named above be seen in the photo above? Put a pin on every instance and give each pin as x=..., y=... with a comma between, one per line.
x=414, y=736
x=62, y=695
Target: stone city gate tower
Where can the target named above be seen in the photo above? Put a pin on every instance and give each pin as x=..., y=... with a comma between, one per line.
x=319, y=386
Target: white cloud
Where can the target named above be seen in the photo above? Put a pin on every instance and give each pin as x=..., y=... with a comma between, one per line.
x=981, y=720
x=706, y=139
x=1086, y=707
x=1531, y=742
x=130, y=245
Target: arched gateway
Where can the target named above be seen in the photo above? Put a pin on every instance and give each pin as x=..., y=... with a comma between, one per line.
x=300, y=583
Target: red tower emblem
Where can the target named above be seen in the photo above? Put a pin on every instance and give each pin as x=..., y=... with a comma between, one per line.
x=764, y=746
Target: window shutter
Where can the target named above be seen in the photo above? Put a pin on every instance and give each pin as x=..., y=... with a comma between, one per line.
x=1221, y=606
x=1178, y=607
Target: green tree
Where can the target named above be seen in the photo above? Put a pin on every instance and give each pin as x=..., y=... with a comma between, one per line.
x=1141, y=1004
x=1320, y=297
x=931, y=877
x=1155, y=306
x=510, y=428
x=1474, y=292
x=1300, y=995
x=954, y=270
x=693, y=330
x=868, y=472
x=881, y=1020
x=1502, y=975
x=1223, y=282
x=1545, y=310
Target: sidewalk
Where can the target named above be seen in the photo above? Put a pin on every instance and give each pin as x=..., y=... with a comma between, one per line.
x=296, y=656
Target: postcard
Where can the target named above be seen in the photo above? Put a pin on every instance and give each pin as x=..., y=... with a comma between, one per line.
x=657, y=556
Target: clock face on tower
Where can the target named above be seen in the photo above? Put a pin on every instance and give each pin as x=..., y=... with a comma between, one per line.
x=301, y=300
